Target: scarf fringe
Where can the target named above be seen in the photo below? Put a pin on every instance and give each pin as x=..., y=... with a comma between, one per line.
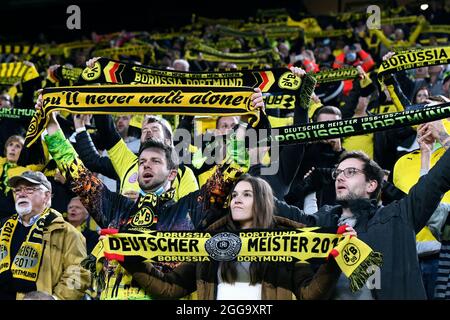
x=359, y=277
x=309, y=83
x=98, y=275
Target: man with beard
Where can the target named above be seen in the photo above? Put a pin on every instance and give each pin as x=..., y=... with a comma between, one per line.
x=391, y=229
x=155, y=209
x=39, y=251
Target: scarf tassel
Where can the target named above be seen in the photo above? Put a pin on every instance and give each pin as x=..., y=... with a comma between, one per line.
x=359, y=277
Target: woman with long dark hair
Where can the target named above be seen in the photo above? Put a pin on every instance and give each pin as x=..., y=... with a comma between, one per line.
x=251, y=207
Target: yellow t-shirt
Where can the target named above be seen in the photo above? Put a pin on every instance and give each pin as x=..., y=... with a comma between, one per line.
x=362, y=142
x=407, y=170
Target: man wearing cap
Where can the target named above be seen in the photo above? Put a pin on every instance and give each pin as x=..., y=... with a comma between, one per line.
x=39, y=251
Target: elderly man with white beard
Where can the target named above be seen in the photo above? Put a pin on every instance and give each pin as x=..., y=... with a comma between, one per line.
x=39, y=251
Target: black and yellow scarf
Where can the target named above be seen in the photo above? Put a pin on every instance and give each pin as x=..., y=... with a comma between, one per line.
x=414, y=58
x=22, y=50
x=160, y=92
x=304, y=245
x=357, y=126
x=13, y=72
x=333, y=75
x=211, y=54
x=25, y=265
x=64, y=73
x=141, y=51
x=282, y=91
x=129, y=99
x=146, y=216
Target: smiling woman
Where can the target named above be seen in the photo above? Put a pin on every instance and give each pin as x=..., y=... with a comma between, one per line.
x=251, y=207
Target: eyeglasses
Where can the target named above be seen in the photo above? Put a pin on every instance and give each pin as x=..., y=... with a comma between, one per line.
x=27, y=190
x=348, y=172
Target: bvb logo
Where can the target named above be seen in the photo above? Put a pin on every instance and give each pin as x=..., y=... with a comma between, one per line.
x=289, y=81
x=144, y=217
x=93, y=73
x=224, y=246
x=351, y=254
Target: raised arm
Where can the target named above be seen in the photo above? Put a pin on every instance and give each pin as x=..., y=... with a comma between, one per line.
x=424, y=197
x=88, y=152
x=291, y=156
x=105, y=207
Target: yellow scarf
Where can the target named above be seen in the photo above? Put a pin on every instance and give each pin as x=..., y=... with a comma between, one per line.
x=27, y=261
x=300, y=245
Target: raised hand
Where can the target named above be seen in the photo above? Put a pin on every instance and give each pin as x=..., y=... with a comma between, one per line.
x=257, y=100
x=91, y=62
x=299, y=72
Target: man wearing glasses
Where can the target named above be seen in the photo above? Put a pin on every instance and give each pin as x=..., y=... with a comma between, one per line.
x=39, y=251
x=391, y=229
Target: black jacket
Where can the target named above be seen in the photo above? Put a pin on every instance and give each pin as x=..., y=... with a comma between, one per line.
x=91, y=158
x=317, y=155
x=391, y=230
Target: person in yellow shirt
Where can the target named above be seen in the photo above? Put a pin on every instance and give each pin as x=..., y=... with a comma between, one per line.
x=407, y=168
x=407, y=172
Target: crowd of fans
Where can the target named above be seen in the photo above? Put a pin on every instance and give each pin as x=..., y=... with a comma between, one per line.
x=399, y=205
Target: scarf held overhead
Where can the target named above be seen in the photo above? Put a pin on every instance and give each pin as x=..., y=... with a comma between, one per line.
x=277, y=82
x=301, y=245
x=127, y=99
x=13, y=72
x=414, y=58
x=334, y=75
x=107, y=71
x=21, y=50
x=193, y=52
x=361, y=125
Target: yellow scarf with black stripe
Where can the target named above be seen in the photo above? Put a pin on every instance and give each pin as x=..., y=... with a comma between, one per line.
x=142, y=51
x=211, y=54
x=25, y=265
x=414, y=58
x=304, y=245
x=13, y=72
x=129, y=99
